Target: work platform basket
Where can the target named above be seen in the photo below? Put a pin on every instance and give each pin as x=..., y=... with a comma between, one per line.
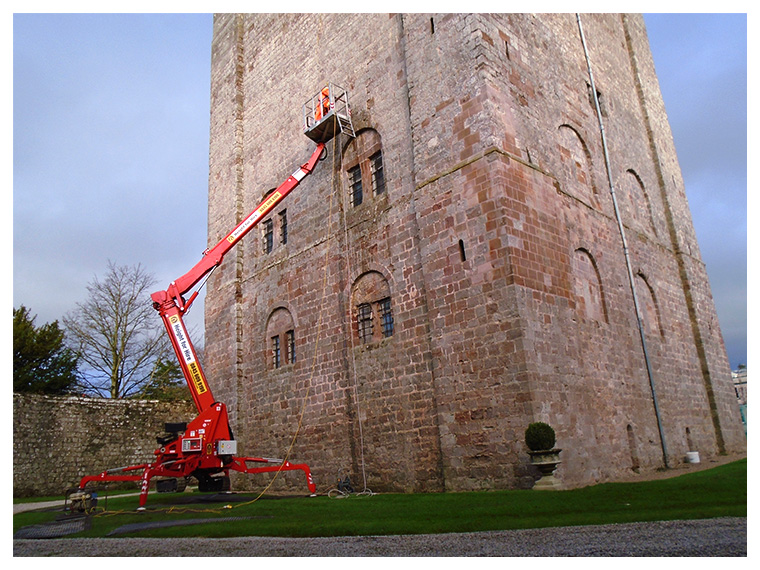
x=327, y=113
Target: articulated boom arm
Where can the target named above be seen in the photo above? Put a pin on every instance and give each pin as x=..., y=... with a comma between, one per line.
x=205, y=448
x=171, y=303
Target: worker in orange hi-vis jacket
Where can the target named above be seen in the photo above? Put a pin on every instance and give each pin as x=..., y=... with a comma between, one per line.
x=324, y=104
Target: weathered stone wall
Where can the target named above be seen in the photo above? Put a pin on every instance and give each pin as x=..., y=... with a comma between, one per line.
x=495, y=238
x=58, y=440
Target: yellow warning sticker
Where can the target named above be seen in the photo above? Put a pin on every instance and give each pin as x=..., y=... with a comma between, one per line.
x=254, y=217
x=198, y=381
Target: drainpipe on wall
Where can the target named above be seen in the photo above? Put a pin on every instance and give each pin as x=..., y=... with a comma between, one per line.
x=625, y=248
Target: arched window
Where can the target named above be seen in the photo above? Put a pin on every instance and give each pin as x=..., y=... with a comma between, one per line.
x=637, y=203
x=575, y=163
x=372, y=308
x=281, y=338
x=363, y=165
x=588, y=286
x=649, y=311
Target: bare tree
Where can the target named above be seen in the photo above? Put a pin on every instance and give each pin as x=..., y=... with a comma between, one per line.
x=116, y=333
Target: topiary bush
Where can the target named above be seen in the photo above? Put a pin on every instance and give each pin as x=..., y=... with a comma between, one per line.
x=539, y=436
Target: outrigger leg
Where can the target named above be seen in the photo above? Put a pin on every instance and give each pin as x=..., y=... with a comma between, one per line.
x=240, y=464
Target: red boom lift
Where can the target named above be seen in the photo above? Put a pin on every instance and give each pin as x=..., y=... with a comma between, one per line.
x=205, y=448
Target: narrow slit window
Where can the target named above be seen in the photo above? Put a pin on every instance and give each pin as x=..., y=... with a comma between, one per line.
x=355, y=184
x=432, y=26
x=364, y=322
x=276, y=351
x=290, y=338
x=378, y=177
x=386, y=316
x=268, y=236
x=284, y=227
x=462, y=253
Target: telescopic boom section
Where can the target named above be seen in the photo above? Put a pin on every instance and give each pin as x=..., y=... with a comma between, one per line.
x=171, y=304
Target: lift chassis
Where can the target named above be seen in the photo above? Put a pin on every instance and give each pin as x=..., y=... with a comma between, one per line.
x=205, y=448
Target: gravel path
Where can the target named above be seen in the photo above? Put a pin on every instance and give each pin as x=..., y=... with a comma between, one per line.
x=710, y=537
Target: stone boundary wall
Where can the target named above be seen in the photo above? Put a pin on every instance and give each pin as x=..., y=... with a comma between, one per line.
x=58, y=440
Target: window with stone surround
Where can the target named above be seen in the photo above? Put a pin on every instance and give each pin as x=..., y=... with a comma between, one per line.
x=371, y=300
x=276, y=362
x=386, y=316
x=364, y=168
x=283, y=226
x=364, y=322
x=376, y=168
x=281, y=338
x=355, y=186
x=290, y=346
x=267, y=233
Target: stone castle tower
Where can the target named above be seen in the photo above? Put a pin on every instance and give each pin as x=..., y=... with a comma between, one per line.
x=457, y=270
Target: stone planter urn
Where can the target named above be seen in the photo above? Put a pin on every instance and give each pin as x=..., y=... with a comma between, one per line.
x=540, y=439
x=546, y=460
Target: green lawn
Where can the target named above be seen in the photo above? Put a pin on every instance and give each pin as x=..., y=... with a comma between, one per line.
x=717, y=492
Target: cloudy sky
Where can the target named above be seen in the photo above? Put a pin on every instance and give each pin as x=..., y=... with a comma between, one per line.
x=110, y=150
